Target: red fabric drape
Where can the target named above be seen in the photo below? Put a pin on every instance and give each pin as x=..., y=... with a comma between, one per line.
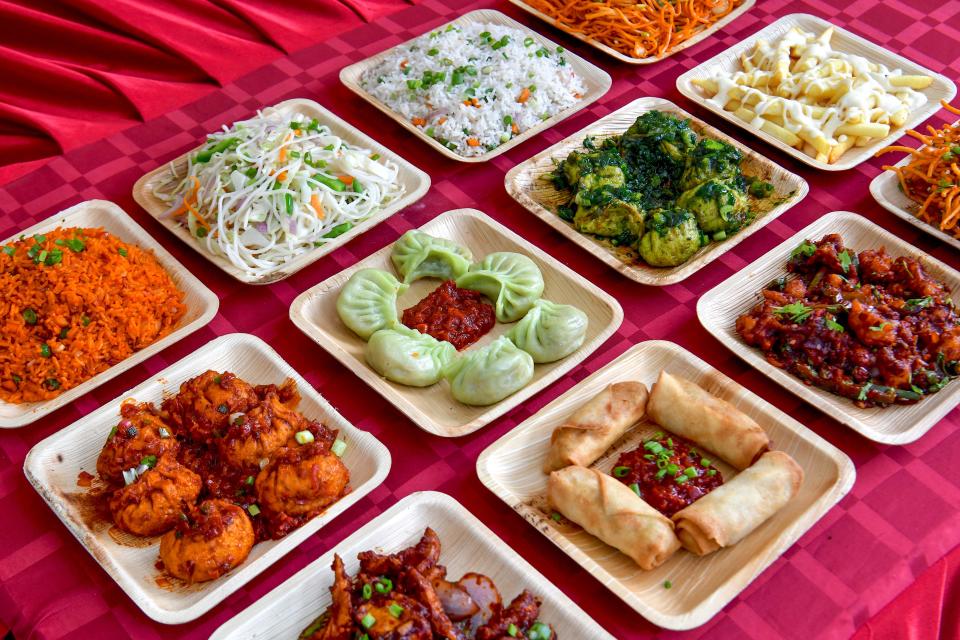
x=73, y=71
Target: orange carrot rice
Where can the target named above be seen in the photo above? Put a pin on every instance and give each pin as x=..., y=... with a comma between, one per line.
x=74, y=303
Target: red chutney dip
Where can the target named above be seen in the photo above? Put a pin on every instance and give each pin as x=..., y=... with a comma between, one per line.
x=668, y=472
x=459, y=316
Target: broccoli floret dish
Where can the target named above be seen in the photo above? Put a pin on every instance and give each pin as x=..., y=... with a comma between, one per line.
x=659, y=192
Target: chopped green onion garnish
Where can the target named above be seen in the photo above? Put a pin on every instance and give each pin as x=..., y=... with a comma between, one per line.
x=619, y=472
x=635, y=488
x=338, y=447
x=122, y=252
x=367, y=591
x=368, y=621
x=384, y=585
x=84, y=320
x=395, y=610
x=149, y=461
x=704, y=462
x=690, y=472
x=249, y=480
x=29, y=316
x=512, y=629
x=303, y=437
x=556, y=517
x=712, y=472
x=673, y=469
x=45, y=350
x=253, y=510
x=667, y=584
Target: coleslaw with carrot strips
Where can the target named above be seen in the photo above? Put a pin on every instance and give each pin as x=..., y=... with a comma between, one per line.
x=273, y=187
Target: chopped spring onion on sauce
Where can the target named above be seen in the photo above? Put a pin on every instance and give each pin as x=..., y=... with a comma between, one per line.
x=148, y=461
x=253, y=510
x=130, y=476
x=395, y=610
x=338, y=447
x=303, y=437
x=512, y=630
x=368, y=621
x=384, y=585
x=620, y=472
x=367, y=592
x=635, y=488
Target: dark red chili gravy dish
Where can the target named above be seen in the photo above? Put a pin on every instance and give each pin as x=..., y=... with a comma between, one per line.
x=871, y=327
x=459, y=316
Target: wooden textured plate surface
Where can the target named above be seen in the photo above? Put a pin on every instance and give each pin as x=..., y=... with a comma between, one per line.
x=415, y=184
x=596, y=80
x=529, y=184
x=201, y=303
x=466, y=545
x=700, y=587
x=719, y=308
x=885, y=189
x=432, y=408
x=52, y=467
x=622, y=57
x=843, y=40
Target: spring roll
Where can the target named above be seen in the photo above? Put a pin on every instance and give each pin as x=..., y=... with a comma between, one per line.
x=730, y=512
x=686, y=409
x=611, y=511
x=596, y=425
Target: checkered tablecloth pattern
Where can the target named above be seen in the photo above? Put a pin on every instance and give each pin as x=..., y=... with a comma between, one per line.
x=901, y=516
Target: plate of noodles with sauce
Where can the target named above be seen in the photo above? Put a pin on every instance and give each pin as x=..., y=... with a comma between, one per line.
x=267, y=196
x=192, y=483
x=87, y=294
x=924, y=187
x=818, y=92
x=638, y=32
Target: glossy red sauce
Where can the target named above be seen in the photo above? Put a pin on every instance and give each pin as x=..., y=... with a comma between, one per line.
x=658, y=467
x=459, y=316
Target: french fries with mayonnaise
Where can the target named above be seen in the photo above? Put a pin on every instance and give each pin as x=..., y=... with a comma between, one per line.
x=814, y=98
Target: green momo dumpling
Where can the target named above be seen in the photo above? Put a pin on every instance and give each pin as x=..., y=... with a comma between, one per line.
x=368, y=302
x=419, y=255
x=550, y=331
x=407, y=356
x=511, y=280
x=488, y=375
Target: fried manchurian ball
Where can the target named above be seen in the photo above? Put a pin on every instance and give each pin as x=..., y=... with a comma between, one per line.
x=153, y=504
x=260, y=431
x=139, y=434
x=301, y=480
x=215, y=538
x=204, y=404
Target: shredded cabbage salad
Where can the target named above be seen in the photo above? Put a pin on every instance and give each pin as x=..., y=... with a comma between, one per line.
x=275, y=186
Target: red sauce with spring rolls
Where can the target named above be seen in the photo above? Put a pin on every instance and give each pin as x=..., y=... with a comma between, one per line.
x=459, y=316
x=668, y=472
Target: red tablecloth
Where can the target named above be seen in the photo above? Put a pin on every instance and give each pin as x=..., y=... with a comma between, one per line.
x=902, y=517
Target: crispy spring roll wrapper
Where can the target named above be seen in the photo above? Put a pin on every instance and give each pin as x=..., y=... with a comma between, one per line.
x=726, y=515
x=596, y=425
x=688, y=410
x=611, y=511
